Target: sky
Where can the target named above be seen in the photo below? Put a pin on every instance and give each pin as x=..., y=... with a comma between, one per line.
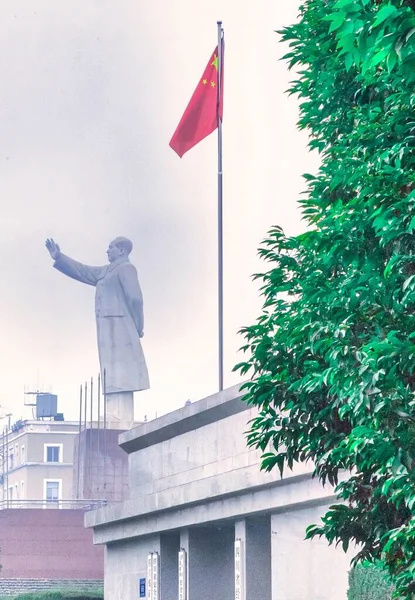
x=90, y=95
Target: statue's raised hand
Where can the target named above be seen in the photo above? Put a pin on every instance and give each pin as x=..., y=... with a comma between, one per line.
x=53, y=248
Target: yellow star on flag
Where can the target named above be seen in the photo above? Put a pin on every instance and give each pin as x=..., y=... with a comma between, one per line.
x=215, y=62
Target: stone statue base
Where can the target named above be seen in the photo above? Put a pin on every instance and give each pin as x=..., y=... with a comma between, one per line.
x=120, y=410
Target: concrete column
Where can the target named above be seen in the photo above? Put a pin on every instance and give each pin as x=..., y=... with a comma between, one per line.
x=169, y=548
x=255, y=534
x=240, y=534
x=185, y=544
x=210, y=562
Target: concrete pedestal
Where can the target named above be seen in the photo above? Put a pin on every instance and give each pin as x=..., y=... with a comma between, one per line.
x=120, y=410
x=100, y=470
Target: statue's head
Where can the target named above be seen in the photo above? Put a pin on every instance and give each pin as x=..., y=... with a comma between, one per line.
x=119, y=248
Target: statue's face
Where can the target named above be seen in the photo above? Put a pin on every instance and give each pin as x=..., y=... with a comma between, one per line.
x=114, y=252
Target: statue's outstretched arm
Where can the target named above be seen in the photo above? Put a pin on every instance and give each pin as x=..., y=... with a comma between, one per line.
x=73, y=268
x=76, y=270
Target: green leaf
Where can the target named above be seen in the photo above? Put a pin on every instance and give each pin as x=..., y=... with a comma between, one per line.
x=380, y=56
x=349, y=61
x=337, y=21
x=391, y=60
x=384, y=13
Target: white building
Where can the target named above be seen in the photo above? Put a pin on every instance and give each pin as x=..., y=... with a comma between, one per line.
x=38, y=462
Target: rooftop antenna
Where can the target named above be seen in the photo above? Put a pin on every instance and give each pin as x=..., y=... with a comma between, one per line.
x=31, y=396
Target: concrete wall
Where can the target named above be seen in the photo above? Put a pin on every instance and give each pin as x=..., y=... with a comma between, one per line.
x=100, y=466
x=125, y=564
x=184, y=459
x=48, y=543
x=210, y=562
x=305, y=570
x=192, y=459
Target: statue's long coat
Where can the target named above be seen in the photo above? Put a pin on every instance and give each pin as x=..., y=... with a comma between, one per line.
x=119, y=318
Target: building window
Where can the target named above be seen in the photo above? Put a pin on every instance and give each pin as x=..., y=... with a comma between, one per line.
x=11, y=460
x=52, y=490
x=53, y=453
x=22, y=490
x=22, y=455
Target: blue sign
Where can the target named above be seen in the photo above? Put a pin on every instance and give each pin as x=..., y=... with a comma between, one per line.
x=142, y=588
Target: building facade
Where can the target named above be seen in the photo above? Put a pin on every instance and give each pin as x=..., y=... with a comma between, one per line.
x=202, y=520
x=37, y=463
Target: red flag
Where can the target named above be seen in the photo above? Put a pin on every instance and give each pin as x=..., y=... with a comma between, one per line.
x=200, y=118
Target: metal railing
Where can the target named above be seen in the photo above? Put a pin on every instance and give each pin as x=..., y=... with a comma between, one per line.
x=55, y=504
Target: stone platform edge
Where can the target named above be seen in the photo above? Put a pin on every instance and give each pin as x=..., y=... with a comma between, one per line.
x=198, y=414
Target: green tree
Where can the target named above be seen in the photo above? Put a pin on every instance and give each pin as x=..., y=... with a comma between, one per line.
x=332, y=356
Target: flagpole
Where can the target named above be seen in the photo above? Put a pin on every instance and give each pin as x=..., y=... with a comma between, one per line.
x=220, y=208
